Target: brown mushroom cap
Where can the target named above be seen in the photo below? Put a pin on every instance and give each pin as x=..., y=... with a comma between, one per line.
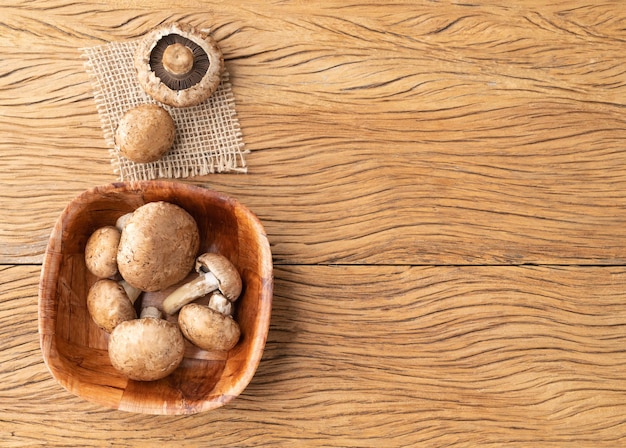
x=109, y=305
x=208, y=329
x=101, y=252
x=146, y=349
x=225, y=272
x=145, y=133
x=168, y=75
x=158, y=246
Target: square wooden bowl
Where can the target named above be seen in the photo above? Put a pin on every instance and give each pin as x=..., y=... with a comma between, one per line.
x=75, y=349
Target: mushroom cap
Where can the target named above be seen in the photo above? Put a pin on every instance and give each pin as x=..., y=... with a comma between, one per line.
x=225, y=272
x=101, y=252
x=207, y=328
x=187, y=89
x=108, y=305
x=145, y=133
x=158, y=246
x=146, y=349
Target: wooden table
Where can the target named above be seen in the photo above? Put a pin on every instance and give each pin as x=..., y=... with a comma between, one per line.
x=444, y=189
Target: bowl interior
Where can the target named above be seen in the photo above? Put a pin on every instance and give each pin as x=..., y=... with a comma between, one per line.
x=75, y=349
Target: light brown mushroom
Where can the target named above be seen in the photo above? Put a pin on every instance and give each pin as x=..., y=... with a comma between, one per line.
x=208, y=328
x=148, y=348
x=158, y=246
x=215, y=272
x=110, y=303
x=178, y=64
x=145, y=133
x=101, y=252
x=122, y=220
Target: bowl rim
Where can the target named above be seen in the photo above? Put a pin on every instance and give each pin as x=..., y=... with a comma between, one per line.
x=48, y=286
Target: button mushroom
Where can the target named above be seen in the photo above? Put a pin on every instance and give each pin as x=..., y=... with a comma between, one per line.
x=122, y=220
x=178, y=65
x=158, y=246
x=110, y=303
x=207, y=328
x=101, y=252
x=145, y=133
x=215, y=272
x=148, y=348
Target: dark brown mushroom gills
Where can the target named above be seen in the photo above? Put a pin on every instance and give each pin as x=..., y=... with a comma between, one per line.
x=166, y=71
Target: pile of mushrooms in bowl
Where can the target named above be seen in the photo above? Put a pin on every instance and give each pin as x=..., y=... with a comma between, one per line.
x=152, y=249
x=155, y=297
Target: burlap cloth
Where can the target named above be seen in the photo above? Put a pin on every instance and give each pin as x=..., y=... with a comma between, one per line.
x=208, y=136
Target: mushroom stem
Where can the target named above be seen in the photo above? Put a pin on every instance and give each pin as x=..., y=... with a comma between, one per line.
x=205, y=283
x=150, y=311
x=132, y=292
x=220, y=304
x=178, y=59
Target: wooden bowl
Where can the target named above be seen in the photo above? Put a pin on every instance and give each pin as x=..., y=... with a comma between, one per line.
x=75, y=349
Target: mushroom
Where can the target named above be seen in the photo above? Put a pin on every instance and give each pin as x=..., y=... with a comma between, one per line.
x=122, y=220
x=145, y=133
x=158, y=246
x=178, y=65
x=101, y=252
x=148, y=348
x=207, y=328
x=110, y=303
x=215, y=272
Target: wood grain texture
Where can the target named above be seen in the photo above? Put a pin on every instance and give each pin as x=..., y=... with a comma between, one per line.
x=370, y=355
x=443, y=187
x=424, y=133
